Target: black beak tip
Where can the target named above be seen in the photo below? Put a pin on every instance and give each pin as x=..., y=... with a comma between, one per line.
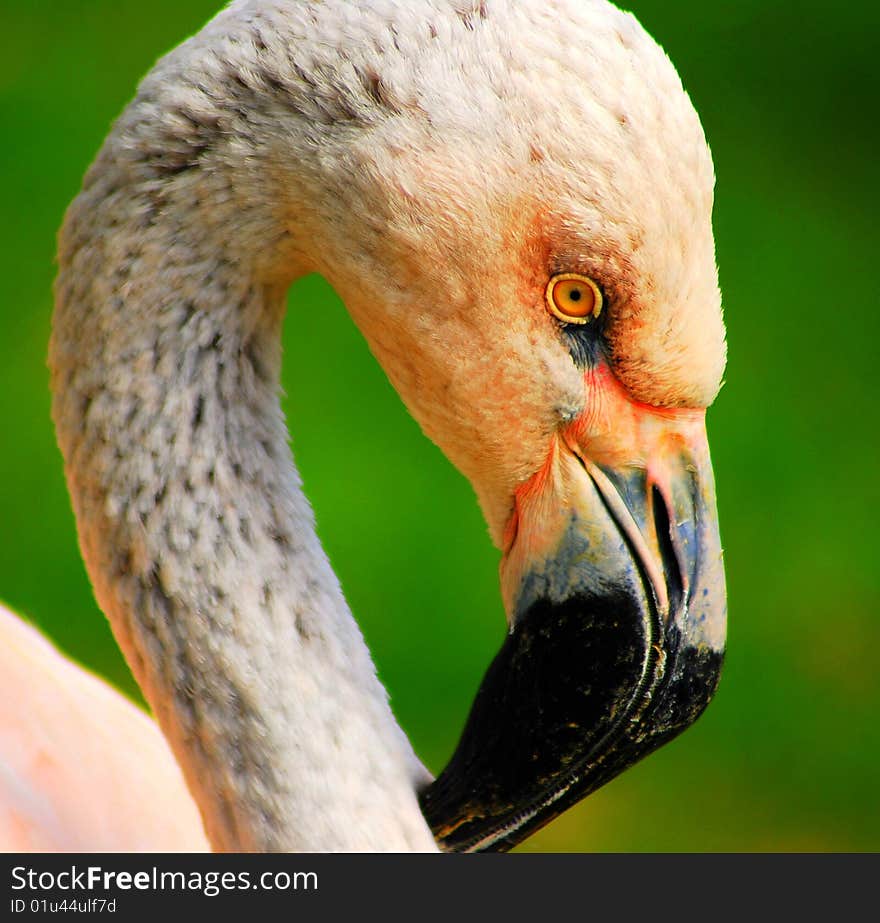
x=578, y=692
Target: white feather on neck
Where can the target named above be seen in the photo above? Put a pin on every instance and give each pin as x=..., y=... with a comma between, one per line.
x=258, y=151
x=198, y=539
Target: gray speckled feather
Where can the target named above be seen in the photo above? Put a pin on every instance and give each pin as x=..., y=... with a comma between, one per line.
x=405, y=150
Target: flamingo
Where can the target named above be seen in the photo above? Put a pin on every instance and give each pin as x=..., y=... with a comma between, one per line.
x=513, y=198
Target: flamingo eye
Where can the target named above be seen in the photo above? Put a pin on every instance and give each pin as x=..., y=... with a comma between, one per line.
x=574, y=298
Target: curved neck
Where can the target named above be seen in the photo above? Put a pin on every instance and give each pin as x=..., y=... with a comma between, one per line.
x=197, y=537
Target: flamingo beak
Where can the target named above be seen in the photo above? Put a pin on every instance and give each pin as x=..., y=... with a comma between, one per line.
x=614, y=586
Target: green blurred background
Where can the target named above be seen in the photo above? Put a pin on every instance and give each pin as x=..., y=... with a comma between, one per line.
x=787, y=756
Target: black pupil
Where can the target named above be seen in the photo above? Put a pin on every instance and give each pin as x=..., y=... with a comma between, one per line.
x=575, y=294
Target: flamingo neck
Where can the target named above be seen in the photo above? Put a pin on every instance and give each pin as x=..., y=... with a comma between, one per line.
x=199, y=542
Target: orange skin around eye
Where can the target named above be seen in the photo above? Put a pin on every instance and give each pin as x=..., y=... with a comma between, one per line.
x=574, y=298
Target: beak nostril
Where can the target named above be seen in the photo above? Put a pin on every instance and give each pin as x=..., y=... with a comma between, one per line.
x=671, y=564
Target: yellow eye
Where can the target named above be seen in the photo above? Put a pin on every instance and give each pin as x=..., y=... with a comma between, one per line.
x=573, y=298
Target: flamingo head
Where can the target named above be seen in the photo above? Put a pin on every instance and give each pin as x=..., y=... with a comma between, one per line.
x=520, y=223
